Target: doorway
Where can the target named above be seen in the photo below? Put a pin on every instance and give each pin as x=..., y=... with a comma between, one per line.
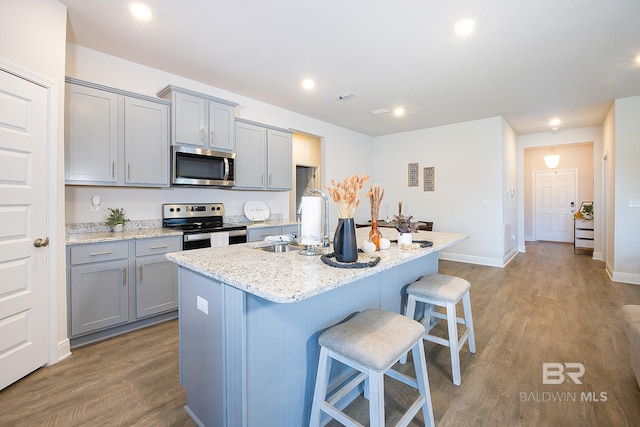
x=555, y=205
x=306, y=169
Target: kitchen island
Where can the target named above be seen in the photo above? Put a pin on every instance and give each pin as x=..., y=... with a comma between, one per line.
x=250, y=319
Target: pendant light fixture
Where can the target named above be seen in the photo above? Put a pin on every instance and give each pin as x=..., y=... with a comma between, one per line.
x=552, y=160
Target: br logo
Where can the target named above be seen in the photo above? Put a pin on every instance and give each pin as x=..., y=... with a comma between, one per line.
x=554, y=373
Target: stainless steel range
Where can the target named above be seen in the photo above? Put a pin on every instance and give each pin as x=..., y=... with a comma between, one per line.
x=199, y=222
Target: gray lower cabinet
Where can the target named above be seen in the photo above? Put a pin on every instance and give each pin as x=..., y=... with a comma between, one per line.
x=264, y=157
x=258, y=234
x=113, y=137
x=156, y=277
x=117, y=286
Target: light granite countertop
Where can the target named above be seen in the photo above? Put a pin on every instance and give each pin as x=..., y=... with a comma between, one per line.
x=288, y=276
x=98, y=237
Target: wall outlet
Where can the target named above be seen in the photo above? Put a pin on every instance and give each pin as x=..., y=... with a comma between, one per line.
x=202, y=305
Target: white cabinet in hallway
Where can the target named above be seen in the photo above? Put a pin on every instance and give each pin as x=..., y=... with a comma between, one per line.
x=263, y=156
x=113, y=137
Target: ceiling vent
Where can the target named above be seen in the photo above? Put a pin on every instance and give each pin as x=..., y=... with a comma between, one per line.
x=380, y=111
x=346, y=95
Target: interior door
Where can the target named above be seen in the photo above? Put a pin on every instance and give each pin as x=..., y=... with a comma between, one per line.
x=555, y=195
x=23, y=266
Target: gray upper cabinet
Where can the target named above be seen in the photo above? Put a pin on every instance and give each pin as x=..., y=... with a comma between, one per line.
x=263, y=156
x=91, y=135
x=201, y=120
x=113, y=137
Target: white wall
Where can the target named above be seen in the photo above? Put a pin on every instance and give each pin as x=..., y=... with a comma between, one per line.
x=626, y=264
x=468, y=161
x=608, y=186
x=32, y=37
x=339, y=145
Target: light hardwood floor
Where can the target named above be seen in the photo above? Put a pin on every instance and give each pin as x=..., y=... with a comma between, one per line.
x=547, y=305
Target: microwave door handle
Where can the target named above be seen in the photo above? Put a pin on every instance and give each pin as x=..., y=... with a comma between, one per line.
x=226, y=169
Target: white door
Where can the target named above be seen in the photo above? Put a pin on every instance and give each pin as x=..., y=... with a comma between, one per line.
x=23, y=266
x=555, y=195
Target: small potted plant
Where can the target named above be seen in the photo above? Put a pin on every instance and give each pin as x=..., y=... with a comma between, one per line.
x=116, y=219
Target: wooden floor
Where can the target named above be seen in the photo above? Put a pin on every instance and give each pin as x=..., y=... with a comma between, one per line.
x=547, y=305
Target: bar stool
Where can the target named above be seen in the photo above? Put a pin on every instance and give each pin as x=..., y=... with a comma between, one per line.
x=371, y=343
x=444, y=291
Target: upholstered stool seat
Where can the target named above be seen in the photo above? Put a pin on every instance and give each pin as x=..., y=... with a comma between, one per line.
x=445, y=291
x=371, y=343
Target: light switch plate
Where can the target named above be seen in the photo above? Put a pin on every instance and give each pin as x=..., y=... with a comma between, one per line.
x=202, y=305
x=634, y=203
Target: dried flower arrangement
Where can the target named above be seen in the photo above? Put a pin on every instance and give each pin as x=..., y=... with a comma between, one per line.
x=345, y=194
x=375, y=195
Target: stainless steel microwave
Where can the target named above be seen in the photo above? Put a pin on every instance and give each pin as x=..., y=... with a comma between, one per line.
x=202, y=167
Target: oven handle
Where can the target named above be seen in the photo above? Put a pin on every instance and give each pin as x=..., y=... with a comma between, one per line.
x=206, y=236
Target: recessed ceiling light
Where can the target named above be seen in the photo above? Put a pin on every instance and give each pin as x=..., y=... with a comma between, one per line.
x=308, y=84
x=638, y=59
x=140, y=11
x=464, y=27
x=398, y=111
x=554, y=122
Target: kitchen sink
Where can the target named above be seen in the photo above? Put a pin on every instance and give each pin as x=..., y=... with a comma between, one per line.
x=281, y=247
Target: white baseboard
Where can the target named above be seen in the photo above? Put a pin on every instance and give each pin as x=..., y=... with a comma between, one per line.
x=597, y=256
x=631, y=278
x=471, y=259
x=509, y=257
x=64, y=349
x=529, y=239
x=522, y=249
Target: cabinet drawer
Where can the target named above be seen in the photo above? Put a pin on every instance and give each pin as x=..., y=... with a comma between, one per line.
x=584, y=234
x=584, y=243
x=159, y=245
x=96, y=252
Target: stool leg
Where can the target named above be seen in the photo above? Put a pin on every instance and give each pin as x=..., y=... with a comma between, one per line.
x=468, y=321
x=409, y=311
x=322, y=383
x=453, y=342
x=376, y=398
x=420, y=364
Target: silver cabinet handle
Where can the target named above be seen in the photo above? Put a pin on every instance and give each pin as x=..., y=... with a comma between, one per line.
x=141, y=272
x=262, y=179
x=269, y=179
x=212, y=136
x=160, y=247
x=129, y=170
x=101, y=253
x=40, y=242
x=113, y=169
x=124, y=277
x=202, y=134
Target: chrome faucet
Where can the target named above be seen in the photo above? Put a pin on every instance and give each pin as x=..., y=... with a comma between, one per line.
x=325, y=238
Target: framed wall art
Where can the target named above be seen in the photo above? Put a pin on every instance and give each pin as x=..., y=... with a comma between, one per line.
x=413, y=174
x=429, y=178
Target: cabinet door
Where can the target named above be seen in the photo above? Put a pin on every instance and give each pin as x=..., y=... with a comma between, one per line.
x=250, y=156
x=259, y=234
x=221, y=127
x=99, y=296
x=189, y=119
x=91, y=135
x=146, y=143
x=156, y=285
x=279, y=160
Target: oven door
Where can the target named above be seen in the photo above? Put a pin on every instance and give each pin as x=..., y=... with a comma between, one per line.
x=200, y=167
x=203, y=240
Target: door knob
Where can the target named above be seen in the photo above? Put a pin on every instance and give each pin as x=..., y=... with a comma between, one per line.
x=40, y=242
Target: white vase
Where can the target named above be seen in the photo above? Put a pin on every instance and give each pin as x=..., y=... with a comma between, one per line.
x=404, y=238
x=118, y=228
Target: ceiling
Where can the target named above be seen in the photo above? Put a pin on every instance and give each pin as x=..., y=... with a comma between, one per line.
x=528, y=61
